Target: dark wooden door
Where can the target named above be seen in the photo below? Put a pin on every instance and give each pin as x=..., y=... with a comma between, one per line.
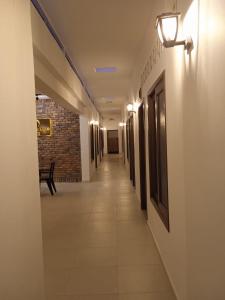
x=158, y=150
x=131, y=150
x=101, y=143
x=142, y=156
x=92, y=142
x=162, y=146
x=96, y=146
x=113, y=141
x=123, y=144
x=127, y=140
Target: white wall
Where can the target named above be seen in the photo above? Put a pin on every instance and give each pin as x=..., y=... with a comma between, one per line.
x=21, y=270
x=53, y=74
x=105, y=142
x=194, y=250
x=85, y=148
x=88, y=165
x=55, y=78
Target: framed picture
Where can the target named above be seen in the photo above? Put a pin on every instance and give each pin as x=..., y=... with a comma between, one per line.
x=44, y=127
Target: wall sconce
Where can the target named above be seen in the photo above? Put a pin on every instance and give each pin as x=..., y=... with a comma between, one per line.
x=93, y=122
x=132, y=107
x=121, y=124
x=167, y=27
x=103, y=128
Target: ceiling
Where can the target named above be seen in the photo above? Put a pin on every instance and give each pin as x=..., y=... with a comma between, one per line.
x=102, y=33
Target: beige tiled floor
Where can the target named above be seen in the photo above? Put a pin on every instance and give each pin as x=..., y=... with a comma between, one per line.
x=97, y=245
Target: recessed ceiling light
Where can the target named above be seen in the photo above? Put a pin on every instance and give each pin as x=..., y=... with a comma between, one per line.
x=106, y=70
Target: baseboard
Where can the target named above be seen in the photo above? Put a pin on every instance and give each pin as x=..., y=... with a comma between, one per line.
x=168, y=275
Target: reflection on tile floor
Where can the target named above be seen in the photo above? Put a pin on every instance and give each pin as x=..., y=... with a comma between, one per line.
x=97, y=245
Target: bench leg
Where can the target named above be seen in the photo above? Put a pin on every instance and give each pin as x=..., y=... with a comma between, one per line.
x=50, y=187
x=53, y=184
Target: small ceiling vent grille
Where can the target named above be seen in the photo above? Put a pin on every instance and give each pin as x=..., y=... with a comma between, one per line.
x=106, y=70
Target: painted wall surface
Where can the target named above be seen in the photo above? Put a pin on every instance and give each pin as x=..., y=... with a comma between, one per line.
x=85, y=148
x=194, y=250
x=21, y=262
x=53, y=74
x=55, y=78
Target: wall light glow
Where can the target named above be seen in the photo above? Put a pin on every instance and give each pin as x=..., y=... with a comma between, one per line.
x=170, y=28
x=133, y=107
x=191, y=28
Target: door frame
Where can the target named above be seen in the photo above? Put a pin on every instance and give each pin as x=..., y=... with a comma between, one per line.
x=131, y=149
x=108, y=140
x=96, y=145
x=142, y=156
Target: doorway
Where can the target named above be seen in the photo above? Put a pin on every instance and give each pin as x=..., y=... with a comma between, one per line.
x=142, y=156
x=157, y=137
x=113, y=141
x=96, y=146
x=123, y=145
x=131, y=150
x=101, y=144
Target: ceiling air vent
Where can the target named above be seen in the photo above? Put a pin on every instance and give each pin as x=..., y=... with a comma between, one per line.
x=106, y=70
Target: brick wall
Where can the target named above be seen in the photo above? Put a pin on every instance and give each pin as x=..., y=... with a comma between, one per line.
x=64, y=145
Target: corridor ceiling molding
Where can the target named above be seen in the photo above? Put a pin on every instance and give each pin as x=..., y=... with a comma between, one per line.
x=102, y=34
x=54, y=34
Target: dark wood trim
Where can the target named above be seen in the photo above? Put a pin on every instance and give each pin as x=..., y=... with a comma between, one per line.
x=101, y=143
x=131, y=150
x=92, y=142
x=123, y=144
x=127, y=139
x=142, y=156
x=108, y=143
x=161, y=77
x=158, y=149
x=96, y=146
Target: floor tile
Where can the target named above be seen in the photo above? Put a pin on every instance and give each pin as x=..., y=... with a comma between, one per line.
x=148, y=296
x=56, y=281
x=103, y=216
x=142, y=279
x=84, y=297
x=97, y=245
x=138, y=254
x=97, y=256
x=100, y=226
x=93, y=281
x=59, y=258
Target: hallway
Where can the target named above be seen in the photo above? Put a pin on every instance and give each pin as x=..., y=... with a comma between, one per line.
x=97, y=244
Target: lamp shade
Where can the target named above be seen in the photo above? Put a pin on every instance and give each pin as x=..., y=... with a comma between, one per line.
x=167, y=27
x=130, y=107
